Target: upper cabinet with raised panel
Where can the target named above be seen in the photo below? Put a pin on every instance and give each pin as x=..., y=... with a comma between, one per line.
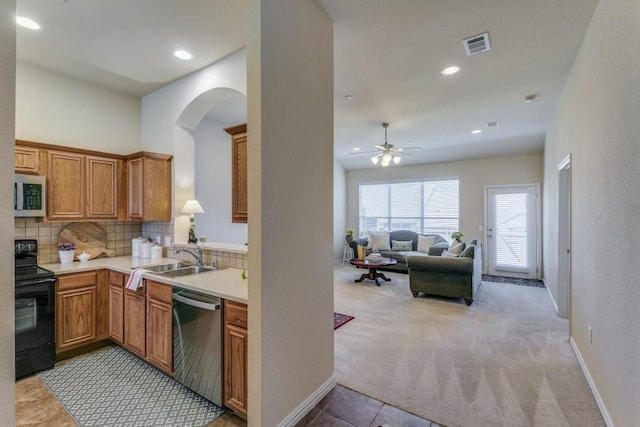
x=91, y=185
x=65, y=186
x=82, y=186
x=27, y=159
x=239, y=207
x=149, y=186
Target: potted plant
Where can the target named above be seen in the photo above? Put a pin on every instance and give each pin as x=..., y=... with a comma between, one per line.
x=349, y=234
x=67, y=252
x=457, y=235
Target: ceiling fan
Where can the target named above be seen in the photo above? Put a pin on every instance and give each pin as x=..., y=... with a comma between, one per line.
x=386, y=152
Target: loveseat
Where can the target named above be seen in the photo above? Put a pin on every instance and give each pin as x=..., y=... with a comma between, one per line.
x=397, y=246
x=445, y=274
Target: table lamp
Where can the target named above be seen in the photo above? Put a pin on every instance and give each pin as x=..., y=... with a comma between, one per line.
x=192, y=207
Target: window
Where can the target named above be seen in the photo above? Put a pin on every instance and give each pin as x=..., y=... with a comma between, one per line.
x=429, y=207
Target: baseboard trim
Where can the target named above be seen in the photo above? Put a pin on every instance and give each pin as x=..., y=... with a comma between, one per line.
x=553, y=300
x=592, y=384
x=294, y=417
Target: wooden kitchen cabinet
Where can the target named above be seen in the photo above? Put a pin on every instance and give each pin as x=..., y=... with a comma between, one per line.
x=27, y=160
x=159, y=326
x=65, y=186
x=235, y=357
x=116, y=306
x=239, y=194
x=149, y=187
x=102, y=182
x=135, y=319
x=83, y=187
x=81, y=310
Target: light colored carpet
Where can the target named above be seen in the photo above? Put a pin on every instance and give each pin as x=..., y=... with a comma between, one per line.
x=504, y=361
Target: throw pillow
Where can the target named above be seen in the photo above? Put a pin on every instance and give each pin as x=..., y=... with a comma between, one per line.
x=369, y=239
x=400, y=245
x=457, y=248
x=447, y=254
x=380, y=241
x=425, y=242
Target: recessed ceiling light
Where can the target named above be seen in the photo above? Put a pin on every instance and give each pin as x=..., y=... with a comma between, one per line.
x=183, y=54
x=27, y=23
x=356, y=148
x=450, y=71
x=476, y=131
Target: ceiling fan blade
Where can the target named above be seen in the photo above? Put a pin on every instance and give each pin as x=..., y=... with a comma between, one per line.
x=402, y=149
x=364, y=152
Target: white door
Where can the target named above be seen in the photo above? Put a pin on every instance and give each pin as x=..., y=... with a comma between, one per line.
x=512, y=231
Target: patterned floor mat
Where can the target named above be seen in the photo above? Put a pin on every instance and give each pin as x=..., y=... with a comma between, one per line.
x=115, y=388
x=514, y=281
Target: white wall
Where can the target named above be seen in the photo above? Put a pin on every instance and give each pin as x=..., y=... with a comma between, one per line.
x=7, y=122
x=56, y=109
x=213, y=184
x=339, y=210
x=290, y=134
x=171, y=114
x=597, y=122
x=473, y=176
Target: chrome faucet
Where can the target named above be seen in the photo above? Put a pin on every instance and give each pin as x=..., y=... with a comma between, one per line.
x=197, y=255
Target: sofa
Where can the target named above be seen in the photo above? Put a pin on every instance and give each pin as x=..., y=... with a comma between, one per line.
x=400, y=255
x=445, y=274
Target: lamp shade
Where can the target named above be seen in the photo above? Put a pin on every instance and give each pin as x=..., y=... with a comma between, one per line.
x=192, y=207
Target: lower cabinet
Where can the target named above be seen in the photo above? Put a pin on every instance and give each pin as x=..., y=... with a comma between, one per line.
x=159, y=326
x=135, y=320
x=235, y=357
x=80, y=310
x=116, y=306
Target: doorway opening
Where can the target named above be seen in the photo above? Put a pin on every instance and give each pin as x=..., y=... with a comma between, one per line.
x=564, y=238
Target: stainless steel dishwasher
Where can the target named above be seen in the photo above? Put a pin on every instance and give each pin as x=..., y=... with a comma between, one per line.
x=197, y=343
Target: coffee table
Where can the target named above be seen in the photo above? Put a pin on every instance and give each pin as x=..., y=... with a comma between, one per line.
x=373, y=273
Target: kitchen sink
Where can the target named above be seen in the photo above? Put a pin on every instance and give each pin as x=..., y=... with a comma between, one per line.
x=186, y=271
x=167, y=267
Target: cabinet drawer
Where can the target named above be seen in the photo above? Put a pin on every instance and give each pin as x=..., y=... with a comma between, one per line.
x=235, y=313
x=77, y=280
x=116, y=279
x=159, y=291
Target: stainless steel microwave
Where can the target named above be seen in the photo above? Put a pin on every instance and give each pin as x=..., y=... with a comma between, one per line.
x=29, y=195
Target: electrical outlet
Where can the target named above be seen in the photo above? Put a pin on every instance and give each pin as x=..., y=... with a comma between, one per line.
x=590, y=335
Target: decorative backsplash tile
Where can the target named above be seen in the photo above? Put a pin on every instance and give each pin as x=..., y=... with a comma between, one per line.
x=119, y=235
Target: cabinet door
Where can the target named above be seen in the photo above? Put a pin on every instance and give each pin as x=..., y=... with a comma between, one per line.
x=239, y=207
x=159, y=335
x=102, y=187
x=116, y=314
x=27, y=160
x=235, y=357
x=75, y=318
x=134, y=321
x=66, y=186
x=149, y=184
x=134, y=187
x=235, y=369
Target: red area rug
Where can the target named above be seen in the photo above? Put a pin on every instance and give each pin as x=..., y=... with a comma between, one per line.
x=340, y=319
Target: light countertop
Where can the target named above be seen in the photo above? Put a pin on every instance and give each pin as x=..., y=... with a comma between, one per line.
x=225, y=283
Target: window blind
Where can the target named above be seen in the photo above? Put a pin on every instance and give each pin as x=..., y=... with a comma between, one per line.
x=426, y=207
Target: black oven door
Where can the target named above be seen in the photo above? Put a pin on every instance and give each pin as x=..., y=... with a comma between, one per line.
x=35, y=326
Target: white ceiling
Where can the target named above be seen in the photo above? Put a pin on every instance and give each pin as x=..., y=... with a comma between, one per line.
x=388, y=57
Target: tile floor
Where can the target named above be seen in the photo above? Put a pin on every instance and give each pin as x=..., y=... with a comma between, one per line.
x=343, y=407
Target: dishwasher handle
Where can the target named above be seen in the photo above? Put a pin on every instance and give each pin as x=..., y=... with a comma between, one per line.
x=195, y=302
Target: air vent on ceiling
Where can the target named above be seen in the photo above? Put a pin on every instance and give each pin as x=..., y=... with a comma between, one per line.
x=477, y=44
x=493, y=124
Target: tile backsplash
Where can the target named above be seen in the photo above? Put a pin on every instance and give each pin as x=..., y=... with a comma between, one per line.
x=119, y=235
